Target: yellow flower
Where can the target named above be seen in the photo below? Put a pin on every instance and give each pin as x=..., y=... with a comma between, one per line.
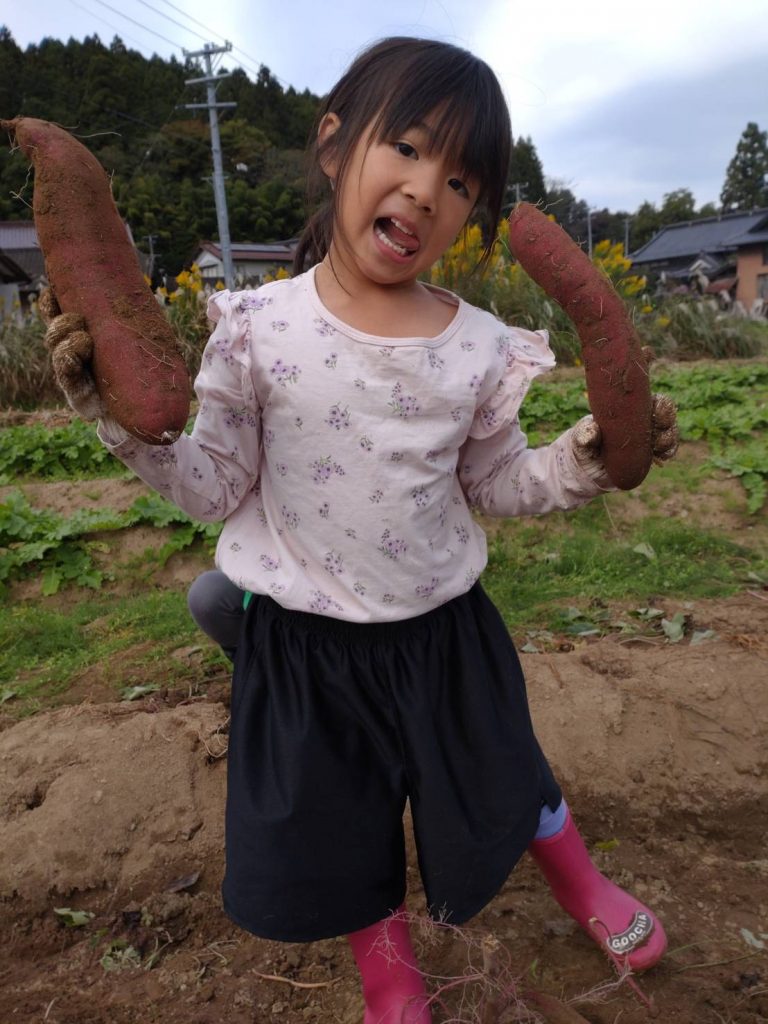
x=663, y=321
x=647, y=309
x=219, y=286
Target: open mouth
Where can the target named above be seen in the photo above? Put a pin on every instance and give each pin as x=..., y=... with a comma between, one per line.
x=396, y=236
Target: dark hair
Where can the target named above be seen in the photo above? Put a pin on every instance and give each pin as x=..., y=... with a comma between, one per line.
x=395, y=84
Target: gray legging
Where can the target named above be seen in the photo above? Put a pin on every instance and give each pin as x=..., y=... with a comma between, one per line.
x=216, y=605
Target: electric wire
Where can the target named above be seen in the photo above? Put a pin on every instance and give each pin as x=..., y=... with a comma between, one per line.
x=133, y=21
x=173, y=20
x=120, y=33
x=253, y=61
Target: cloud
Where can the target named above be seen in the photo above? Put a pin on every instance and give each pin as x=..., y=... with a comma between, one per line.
x=655, y=136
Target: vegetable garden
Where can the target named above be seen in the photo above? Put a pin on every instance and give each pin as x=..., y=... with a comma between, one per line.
x=641, y=621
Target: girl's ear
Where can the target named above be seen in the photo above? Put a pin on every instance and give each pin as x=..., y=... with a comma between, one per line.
x=329, y=125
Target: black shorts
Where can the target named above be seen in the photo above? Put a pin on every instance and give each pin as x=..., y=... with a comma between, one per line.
x=334, y=725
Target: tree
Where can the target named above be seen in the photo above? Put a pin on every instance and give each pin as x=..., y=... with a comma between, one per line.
x=708, y=210
x=564, y=206
x=677, y=207
x=525, y=173
x=11, y=62
x=645, y=223
x=746, y=180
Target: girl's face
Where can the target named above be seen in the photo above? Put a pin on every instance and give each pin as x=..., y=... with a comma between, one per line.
x=399, y=209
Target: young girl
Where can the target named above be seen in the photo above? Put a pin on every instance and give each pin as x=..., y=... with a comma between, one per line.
x=349, y=419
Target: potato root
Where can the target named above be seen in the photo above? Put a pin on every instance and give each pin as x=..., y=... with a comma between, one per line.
x=616, y=369
x=93, y=271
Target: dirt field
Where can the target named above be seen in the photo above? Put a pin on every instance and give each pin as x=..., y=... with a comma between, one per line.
x=117, y=809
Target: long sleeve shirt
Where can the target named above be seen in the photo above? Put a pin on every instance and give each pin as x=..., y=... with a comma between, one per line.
x=345, y=464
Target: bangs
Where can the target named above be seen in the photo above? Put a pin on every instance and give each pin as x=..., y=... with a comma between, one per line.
x=465, y=121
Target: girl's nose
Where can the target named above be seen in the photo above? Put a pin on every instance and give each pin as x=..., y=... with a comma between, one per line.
x=421, y=188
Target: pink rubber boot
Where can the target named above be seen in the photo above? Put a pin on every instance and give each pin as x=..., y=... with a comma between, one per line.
x=619, y=923
x=393, y=985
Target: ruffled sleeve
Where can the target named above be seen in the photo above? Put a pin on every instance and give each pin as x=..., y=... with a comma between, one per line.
x=527, y=354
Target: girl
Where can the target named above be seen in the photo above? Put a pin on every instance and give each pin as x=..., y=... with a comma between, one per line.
x=349, y=418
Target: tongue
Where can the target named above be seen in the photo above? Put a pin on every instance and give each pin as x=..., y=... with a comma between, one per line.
x=409, y=242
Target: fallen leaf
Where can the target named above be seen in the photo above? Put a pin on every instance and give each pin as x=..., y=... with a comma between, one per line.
x=73, y=918
x=646, y=550
x=134, y=692
x=674, y=628
x=185, y=882
x=700, y=635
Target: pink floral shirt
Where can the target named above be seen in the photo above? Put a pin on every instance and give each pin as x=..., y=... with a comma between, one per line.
x=345, y=464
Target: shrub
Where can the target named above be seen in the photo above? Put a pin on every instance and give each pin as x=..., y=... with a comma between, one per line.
x=687, y=329
x=678, y=328
x=26, y=380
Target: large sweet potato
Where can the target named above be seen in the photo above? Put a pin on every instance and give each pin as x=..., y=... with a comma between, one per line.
x=616, y=369
x=93, y=271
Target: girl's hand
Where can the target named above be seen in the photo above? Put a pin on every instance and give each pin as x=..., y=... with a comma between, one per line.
x=665, y=437
x=71, y=349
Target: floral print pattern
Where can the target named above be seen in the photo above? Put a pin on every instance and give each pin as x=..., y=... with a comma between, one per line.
x=343, y=500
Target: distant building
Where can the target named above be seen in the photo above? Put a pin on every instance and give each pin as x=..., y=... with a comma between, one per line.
x=252, y=261
x=21, y=266
x=725, y=256
x=19, y=245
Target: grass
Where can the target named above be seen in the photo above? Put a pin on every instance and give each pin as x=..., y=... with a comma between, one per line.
x=536, y=569
x=46, y=646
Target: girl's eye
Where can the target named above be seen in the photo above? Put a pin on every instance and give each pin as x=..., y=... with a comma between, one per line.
x=458, y=186
x=405, y=149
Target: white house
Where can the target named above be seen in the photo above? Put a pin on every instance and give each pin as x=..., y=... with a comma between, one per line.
x=251, y=260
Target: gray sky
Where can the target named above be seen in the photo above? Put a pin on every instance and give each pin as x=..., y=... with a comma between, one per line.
x=624, y=101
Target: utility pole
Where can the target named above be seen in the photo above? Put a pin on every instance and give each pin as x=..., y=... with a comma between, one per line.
x=626, y=236
x=211, y=81
x=151, y=240
x=589, y=231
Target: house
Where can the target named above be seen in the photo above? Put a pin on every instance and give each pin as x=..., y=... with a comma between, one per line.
x=21, y=265
x=18, y=242
x=726, y=256
x=13, y=281
x=252, y=261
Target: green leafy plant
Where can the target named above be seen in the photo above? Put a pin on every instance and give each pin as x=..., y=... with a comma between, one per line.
x=56, y=453
x=41, y=541
x=749, y=462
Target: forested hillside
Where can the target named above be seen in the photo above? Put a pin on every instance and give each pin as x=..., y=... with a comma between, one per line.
x=129, y=112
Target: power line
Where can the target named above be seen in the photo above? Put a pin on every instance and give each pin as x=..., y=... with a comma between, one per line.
x=109, y=24
x=253, y=68
x=190, y=18
x=173, y=20
x=120, y=14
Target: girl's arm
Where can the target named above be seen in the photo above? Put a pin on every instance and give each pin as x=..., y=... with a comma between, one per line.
x=502, y=476
x=208, y=472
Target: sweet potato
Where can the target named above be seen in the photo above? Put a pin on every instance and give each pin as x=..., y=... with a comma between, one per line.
x=616, y=368
x=93, y=271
